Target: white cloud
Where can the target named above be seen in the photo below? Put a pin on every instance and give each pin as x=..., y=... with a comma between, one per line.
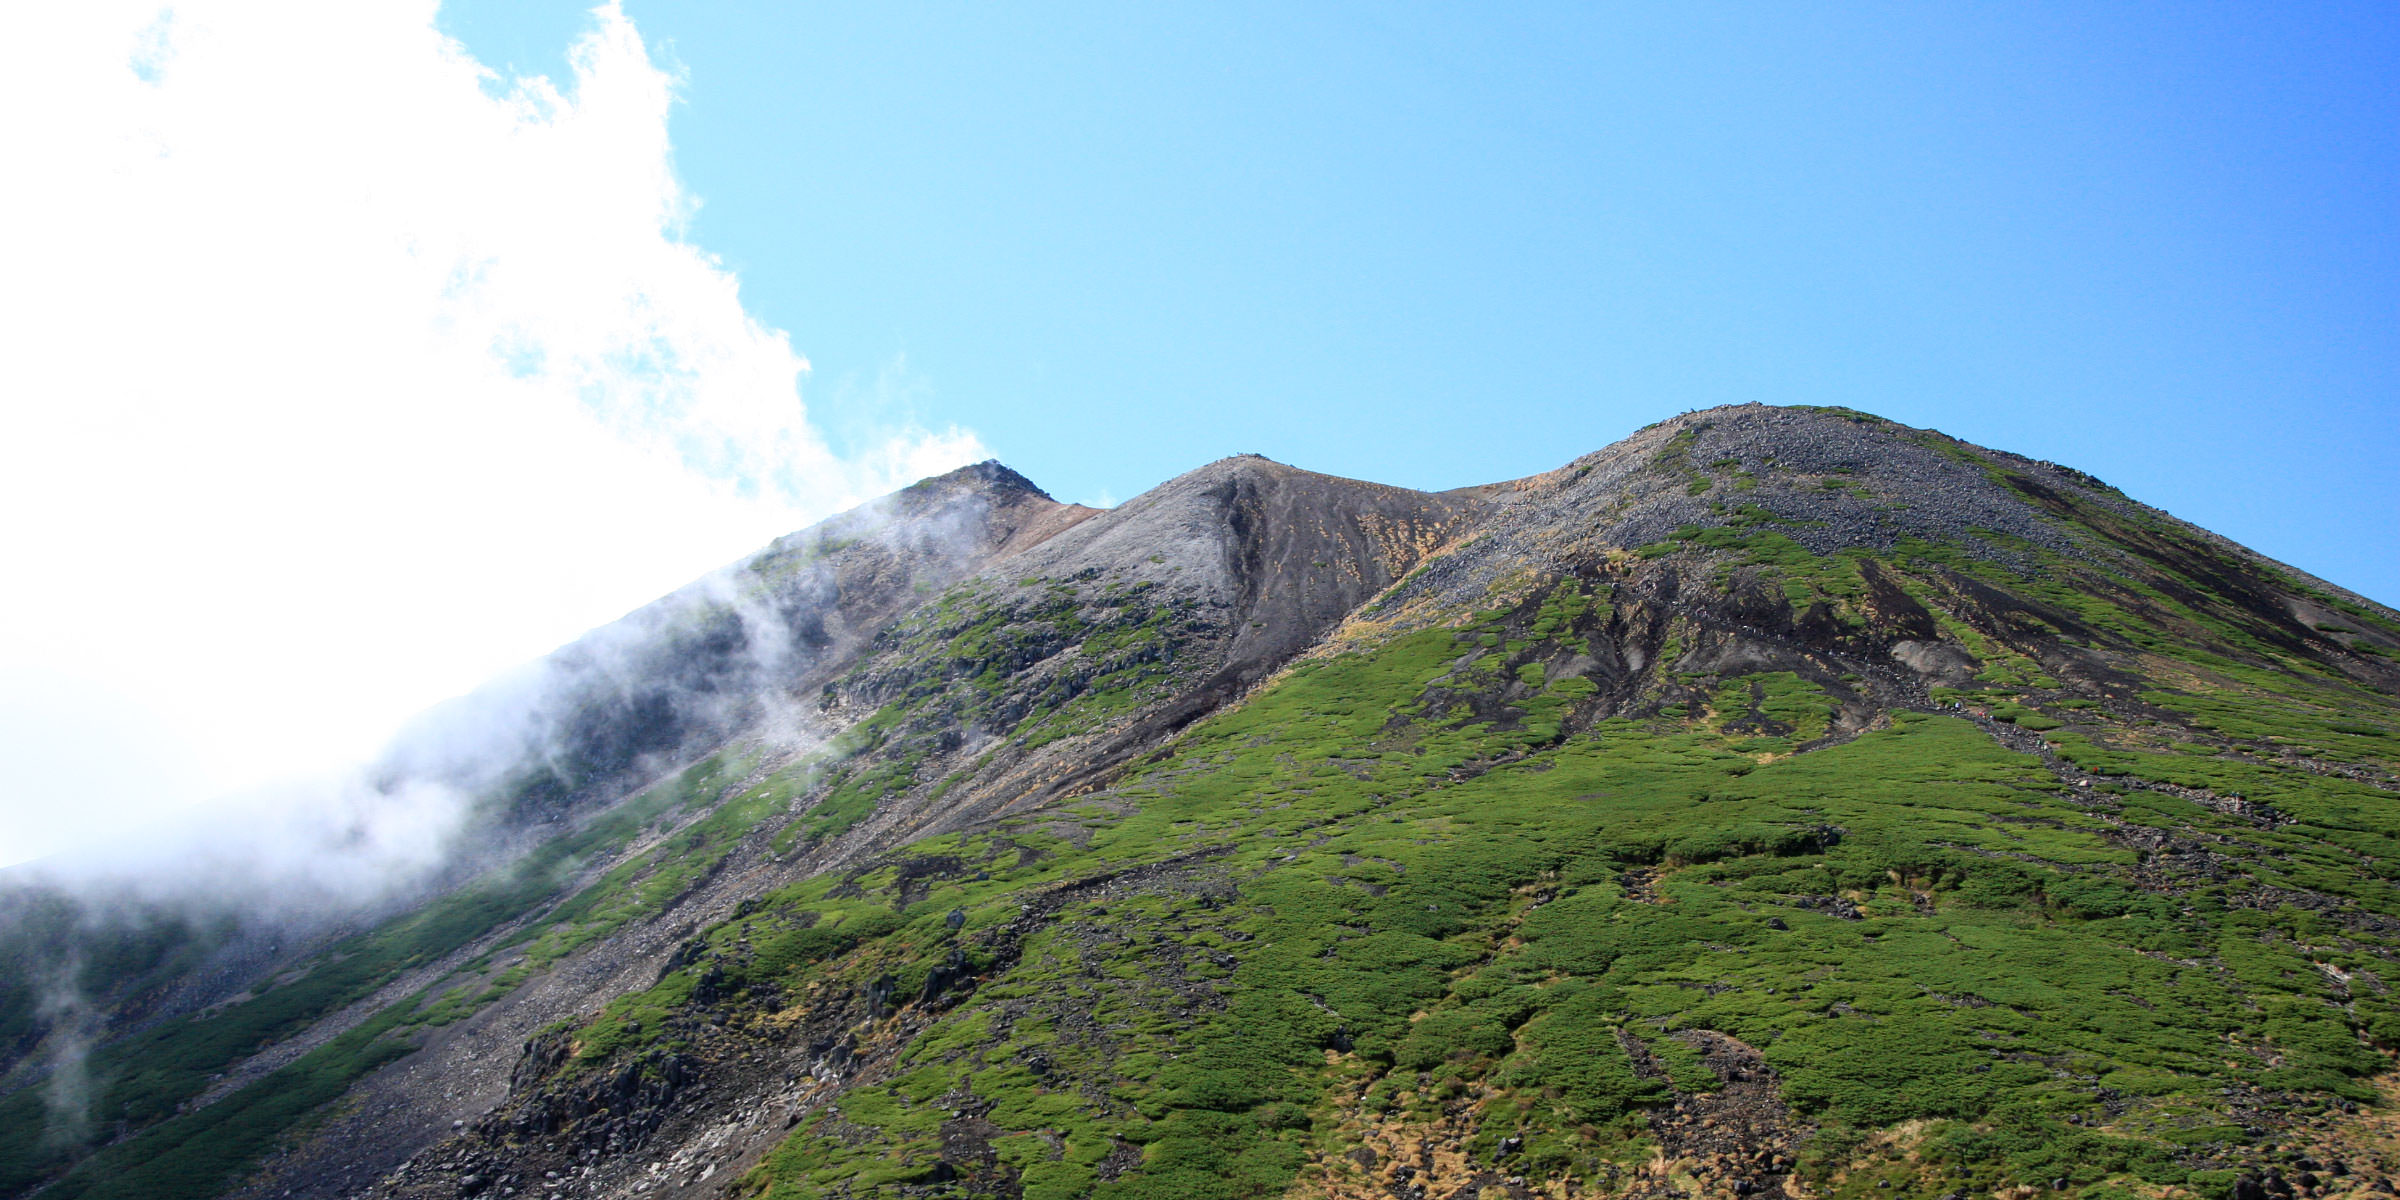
x=340, y=374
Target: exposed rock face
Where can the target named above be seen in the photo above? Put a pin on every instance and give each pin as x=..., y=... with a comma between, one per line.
x=1257, y=560
x=1775, y=802
x=1278, y=555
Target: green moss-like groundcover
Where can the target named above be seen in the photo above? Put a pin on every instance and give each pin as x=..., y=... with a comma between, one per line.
x=1388, y=920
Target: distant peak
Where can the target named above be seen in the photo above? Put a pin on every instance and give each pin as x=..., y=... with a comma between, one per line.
x=990, y=477
x=1244, y=463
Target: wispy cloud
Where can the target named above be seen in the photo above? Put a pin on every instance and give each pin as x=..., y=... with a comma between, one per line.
x=343, y=373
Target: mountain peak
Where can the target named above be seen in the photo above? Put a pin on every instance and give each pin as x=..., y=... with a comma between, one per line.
x=990, y=477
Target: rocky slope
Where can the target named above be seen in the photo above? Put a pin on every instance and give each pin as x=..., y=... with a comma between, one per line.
x=1779, y=801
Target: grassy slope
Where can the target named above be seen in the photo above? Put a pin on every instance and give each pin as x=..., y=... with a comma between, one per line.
x=1410, y=933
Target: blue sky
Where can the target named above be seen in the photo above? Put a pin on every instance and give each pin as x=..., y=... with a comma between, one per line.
x=1441, y=245
x=370, y=363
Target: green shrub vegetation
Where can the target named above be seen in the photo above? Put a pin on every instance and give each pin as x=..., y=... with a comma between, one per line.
x=1436, y=929
x=2081, y=908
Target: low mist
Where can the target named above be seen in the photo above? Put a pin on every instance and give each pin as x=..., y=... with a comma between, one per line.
x=298, y=849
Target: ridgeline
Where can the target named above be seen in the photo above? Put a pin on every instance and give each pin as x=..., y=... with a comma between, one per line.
x=1778, y=803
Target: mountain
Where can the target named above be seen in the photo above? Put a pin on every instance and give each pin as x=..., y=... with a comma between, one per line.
x=1779, y=802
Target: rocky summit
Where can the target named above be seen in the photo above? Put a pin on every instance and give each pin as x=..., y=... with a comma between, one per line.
x=1778, y=803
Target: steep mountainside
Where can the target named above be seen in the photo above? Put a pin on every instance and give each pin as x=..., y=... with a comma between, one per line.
x=1778, y=802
